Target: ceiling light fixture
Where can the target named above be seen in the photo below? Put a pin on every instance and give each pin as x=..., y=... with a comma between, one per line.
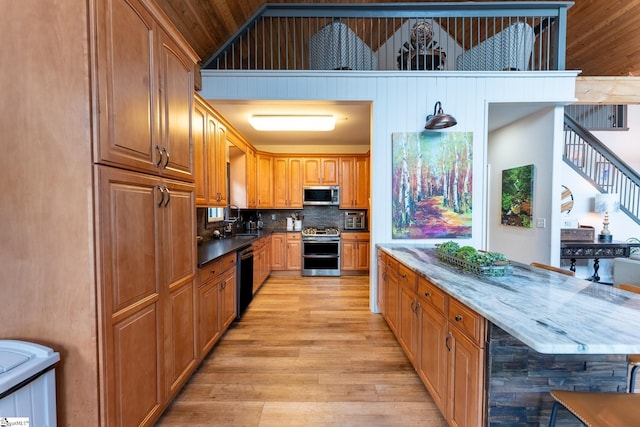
x=439, y=120
x=293, y=122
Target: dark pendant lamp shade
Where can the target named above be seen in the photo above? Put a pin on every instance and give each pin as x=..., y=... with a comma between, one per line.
x=439, y=120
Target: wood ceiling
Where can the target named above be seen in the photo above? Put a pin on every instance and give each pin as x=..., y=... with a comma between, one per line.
x=602, y=36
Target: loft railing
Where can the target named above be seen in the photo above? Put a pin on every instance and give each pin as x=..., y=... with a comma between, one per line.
x=465, y=36
x=590, y=158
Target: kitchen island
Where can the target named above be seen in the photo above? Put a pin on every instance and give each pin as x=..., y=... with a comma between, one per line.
x=540, y=330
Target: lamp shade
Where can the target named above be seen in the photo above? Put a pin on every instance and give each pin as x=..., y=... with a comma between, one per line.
x=606, y=203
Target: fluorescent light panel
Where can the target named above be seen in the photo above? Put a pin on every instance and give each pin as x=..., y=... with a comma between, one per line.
x=293, y=122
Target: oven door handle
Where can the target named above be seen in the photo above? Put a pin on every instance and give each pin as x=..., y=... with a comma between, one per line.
x=321, y=256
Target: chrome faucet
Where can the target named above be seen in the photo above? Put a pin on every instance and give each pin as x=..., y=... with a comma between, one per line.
x=228, y=217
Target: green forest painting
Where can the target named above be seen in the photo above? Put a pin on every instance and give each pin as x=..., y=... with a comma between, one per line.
x=432, y=181
x=517, y=196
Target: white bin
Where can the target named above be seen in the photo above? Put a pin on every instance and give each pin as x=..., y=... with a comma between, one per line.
x=27, y=383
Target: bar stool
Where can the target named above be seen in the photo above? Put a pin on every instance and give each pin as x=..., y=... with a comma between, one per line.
x=598, y=409
x=551, y=268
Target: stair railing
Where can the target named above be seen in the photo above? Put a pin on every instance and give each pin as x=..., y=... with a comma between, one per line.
x=596, y=163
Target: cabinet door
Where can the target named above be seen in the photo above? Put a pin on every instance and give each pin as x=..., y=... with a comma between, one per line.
x=347, y=184
x=278, y=251
x=362, y=256
x=127, y=101
x=176, y=104
x=408, y=324
x=348, y=255
x=130, y=294
x=264, y=181
x=433, y=354
x=294, y=183
x=361, y=180
x=294, y=252
x=392, y=302
x=227, y=308
x=280, y=182
x=218, y=195
x=330, y=171
x=208, y=327
x=200, y=152
x=381, y=285
x=179, y=274
x=251, y=179
x=466, y=382
x=312, y=171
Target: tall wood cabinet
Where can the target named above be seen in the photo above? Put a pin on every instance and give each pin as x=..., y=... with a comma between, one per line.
x=110, y=282
x=264, y=172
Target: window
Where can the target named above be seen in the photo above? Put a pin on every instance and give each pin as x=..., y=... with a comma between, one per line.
x=215, y=215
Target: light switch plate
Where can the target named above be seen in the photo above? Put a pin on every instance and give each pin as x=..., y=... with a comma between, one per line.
x=541, y=223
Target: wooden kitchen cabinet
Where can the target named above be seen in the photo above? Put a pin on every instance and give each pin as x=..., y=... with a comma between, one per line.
x=294, y=251
x=354, y=182
x=354, y=252
x=252, y=188
x=287, y=182
x=278, y=251
x=320, y=171
x=444, y=339
x=261, y=262
x=216, y=301
x=381, y=281
x=210, y=155
x=145, y=92
x=144, y=222
x=264, y=173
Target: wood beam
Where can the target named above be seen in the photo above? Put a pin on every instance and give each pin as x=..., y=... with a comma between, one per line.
x=608, y=90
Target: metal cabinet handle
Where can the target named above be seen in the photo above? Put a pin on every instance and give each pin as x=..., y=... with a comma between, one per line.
x=166, y=162
x=427, y=294
x=446, y=341
x=168, y=196
x=212, y=272
x=159, y=162
x=162, y=194
x=458, y=318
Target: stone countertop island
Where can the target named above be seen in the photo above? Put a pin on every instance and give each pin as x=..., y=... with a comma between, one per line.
x=550, y=312
x=544, y=330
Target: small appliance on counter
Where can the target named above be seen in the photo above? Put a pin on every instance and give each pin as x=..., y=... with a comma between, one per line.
x=355, y=221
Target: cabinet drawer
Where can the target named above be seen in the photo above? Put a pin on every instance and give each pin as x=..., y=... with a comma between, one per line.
x=392, y=264
x=294, y=236
x=209, y=270
x=229, y=261
x=467, y=321
x=407, y=277
x=432, y=295
x=355, y=236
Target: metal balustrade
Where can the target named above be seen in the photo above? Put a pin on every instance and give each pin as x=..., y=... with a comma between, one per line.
x=589, y=157
x=478, y=36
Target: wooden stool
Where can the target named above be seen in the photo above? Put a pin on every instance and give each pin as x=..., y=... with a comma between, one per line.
x=598, y=409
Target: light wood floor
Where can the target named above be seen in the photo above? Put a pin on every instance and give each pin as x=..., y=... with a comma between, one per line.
x=307, y=352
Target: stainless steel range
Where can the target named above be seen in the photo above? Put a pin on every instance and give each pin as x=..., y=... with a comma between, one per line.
x=320, y=251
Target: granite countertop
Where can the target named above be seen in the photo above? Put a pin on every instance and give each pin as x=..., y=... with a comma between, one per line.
x=550, y=312
x=215, y=248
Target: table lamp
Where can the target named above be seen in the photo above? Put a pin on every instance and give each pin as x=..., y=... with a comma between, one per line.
x=606, y=203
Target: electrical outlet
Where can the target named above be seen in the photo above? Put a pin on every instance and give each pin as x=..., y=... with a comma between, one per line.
x=541, y=223
x=273, y=217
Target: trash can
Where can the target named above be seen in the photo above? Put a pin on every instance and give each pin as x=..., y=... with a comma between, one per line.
x=27, y=384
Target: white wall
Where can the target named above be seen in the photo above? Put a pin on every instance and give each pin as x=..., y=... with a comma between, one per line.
x=524, y=142
x=625, y=143
x=401, y=102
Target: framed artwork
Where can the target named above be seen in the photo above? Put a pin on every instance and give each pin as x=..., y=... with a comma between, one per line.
x=432, y=177
x=517, y=197
x=603, y=174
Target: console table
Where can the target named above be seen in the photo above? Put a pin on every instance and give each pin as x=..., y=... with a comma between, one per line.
x=595, y=250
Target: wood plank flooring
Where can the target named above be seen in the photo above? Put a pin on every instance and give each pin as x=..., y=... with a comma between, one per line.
x=307, y=352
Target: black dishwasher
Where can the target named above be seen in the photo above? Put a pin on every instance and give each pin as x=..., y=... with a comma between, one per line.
x=245, y=280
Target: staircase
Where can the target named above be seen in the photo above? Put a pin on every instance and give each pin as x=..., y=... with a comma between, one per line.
x=596, y=163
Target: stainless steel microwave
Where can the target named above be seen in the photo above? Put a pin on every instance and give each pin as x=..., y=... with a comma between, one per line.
x=321, y=195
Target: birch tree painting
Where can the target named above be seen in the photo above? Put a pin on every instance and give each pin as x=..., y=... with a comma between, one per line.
x=432, y=181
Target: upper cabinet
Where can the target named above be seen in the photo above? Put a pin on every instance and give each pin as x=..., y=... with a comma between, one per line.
x=320, y=171
x=264, y=174
x=210, y=154
x=144, y=122
x=287, y=178
x=354, y=182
